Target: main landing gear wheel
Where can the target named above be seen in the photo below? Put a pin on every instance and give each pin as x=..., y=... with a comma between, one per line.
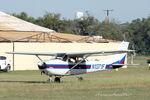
x=80, y=78
x=57, y=79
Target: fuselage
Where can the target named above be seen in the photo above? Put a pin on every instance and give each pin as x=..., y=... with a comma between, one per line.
x=58, y=67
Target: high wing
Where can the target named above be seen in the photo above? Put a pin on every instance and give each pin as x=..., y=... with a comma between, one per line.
x=122, y=48
x=37, y=53
x=74, y=54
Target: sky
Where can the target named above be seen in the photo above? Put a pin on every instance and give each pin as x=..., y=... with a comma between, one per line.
x=123, y=10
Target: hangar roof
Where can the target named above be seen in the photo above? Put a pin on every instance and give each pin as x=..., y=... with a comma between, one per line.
x=13, y=29
x=13, y=23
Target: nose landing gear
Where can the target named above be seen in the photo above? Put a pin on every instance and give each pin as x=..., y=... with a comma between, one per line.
x=56, y=79
x=50, y=78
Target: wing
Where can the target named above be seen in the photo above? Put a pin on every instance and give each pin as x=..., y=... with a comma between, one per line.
x=75, y=54
x=38, y=53
x=123, y=48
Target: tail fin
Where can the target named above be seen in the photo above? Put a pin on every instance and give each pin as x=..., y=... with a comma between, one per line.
x=121, y=58
x=123, y=46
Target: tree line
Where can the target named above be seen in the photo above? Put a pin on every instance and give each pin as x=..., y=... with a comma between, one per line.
x=137, y=32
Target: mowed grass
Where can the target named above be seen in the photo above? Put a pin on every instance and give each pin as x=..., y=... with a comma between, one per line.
x=132, y=83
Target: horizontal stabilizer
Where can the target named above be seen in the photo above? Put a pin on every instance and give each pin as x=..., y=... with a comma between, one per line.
x=121, y=65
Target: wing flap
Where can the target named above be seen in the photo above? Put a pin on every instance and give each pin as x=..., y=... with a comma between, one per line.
x=96, y=53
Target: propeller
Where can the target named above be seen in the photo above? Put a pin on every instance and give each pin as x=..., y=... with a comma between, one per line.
x=41, y=64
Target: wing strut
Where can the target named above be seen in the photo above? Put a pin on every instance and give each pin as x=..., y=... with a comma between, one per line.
x=76, y=64
x=38, y=57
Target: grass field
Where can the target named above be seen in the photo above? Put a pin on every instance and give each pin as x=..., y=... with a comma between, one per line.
x=132, y=83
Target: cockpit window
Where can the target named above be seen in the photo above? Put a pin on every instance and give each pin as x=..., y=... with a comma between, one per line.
x=76, y=60
x=2, y=58
x=71, y=60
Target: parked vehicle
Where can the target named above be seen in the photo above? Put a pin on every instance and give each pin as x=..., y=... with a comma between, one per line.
x=4, y=64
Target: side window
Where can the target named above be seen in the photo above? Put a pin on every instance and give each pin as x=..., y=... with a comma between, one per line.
x=71, y=60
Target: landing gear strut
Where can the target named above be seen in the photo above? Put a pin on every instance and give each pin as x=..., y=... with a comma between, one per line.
x=50, y=78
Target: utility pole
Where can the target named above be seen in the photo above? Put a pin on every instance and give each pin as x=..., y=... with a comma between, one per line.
x=107, y=17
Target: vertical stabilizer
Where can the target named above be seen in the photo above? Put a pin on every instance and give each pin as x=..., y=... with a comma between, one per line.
x=123, y=46
x=122, y=58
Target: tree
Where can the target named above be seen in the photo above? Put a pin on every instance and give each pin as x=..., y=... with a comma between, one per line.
x=139, y=35
x=86, y=25
x=137, y=32
x=24, y=16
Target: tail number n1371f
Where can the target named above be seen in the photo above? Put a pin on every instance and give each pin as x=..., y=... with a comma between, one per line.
x=98, y=66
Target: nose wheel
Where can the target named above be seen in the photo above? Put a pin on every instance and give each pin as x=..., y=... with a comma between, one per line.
x=79, y=78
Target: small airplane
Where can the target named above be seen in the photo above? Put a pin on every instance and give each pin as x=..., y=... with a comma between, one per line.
x=65, y=64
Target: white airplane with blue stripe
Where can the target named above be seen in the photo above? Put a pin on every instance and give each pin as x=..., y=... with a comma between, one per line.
x=66, y=64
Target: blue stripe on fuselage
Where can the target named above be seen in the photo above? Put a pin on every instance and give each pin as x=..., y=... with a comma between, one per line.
x=63, y=66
